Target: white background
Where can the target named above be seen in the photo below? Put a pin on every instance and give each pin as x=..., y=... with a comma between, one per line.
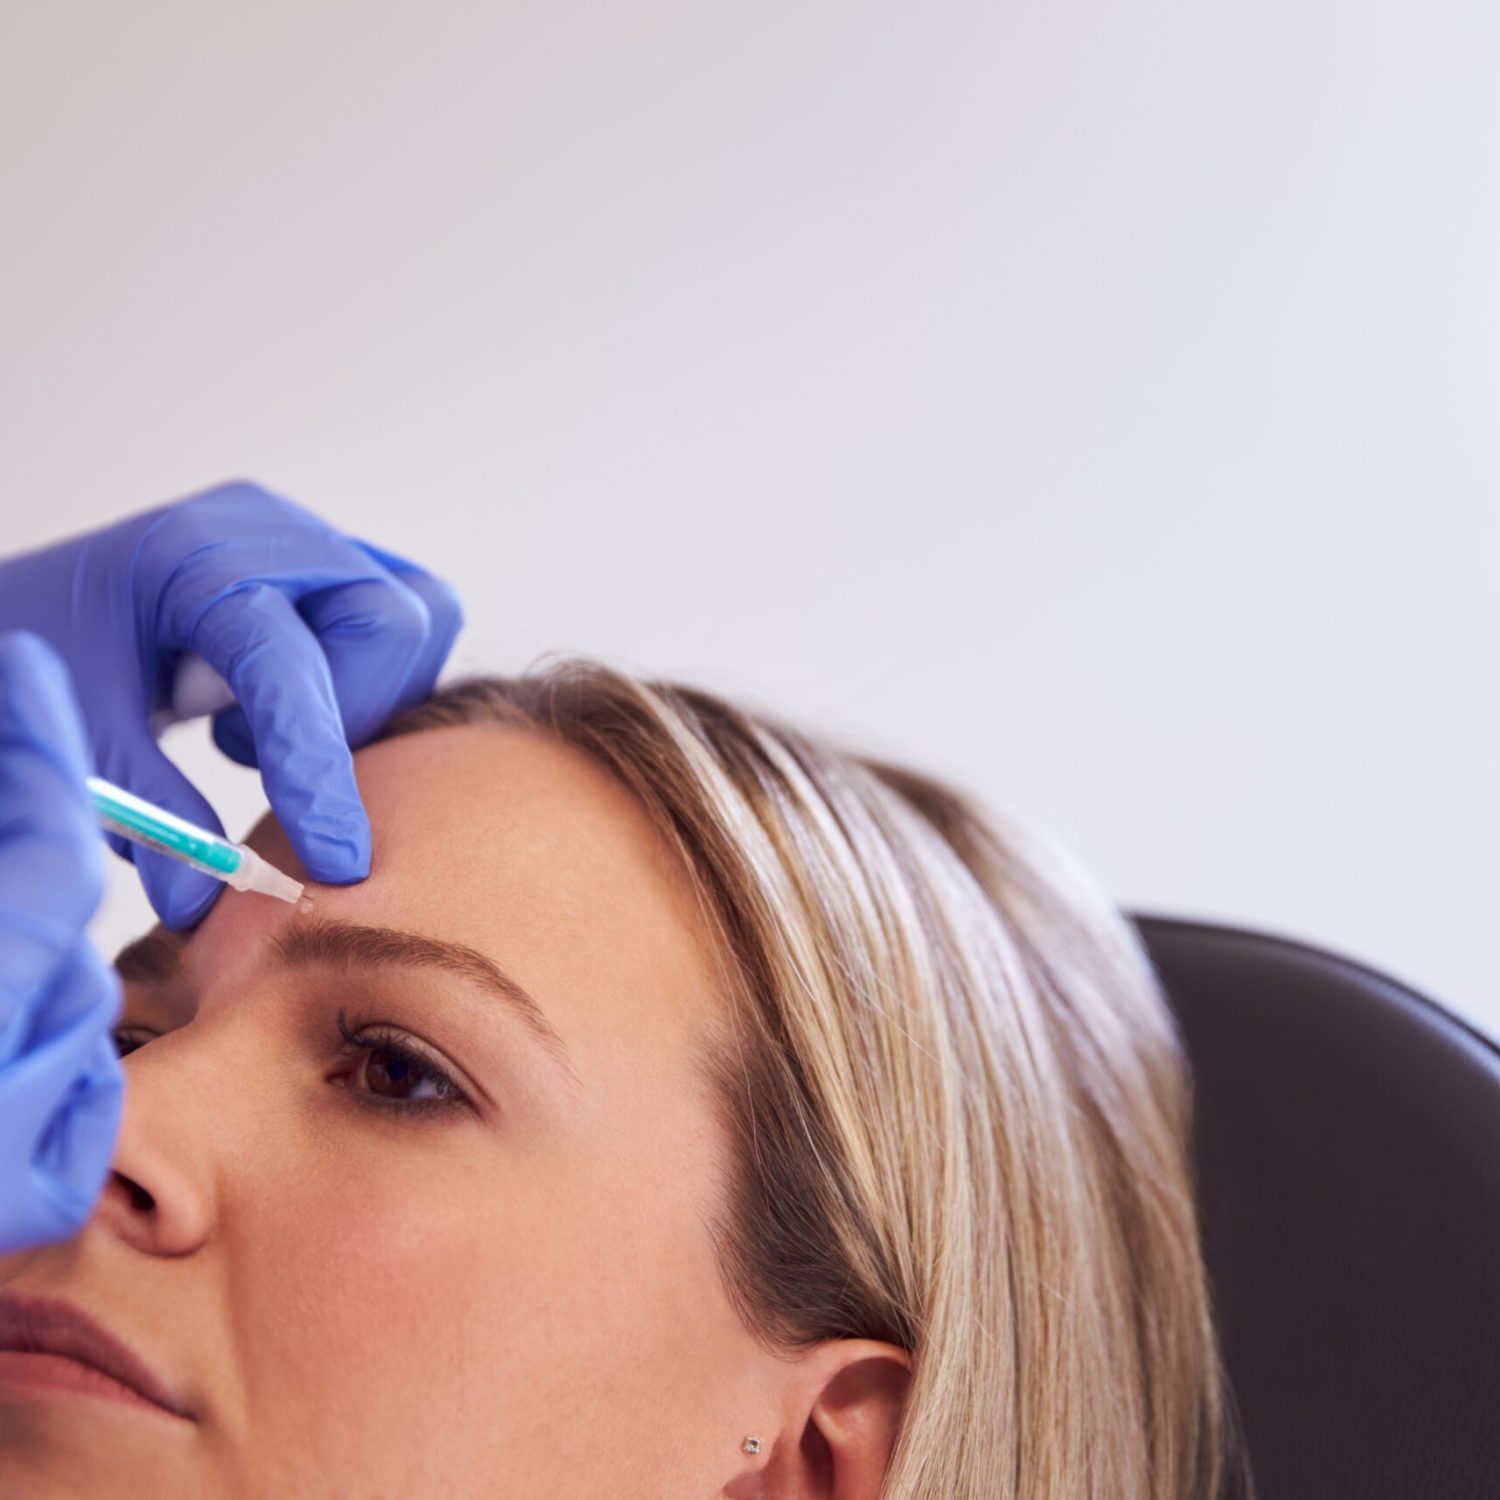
x=1094, y=403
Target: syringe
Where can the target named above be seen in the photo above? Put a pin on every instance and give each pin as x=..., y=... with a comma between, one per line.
x=154, y=827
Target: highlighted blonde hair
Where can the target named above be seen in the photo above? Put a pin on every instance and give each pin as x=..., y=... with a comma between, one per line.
x=960, y=1109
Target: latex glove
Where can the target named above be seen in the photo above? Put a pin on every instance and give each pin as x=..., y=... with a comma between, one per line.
x=61, y=1082
x=319, y=636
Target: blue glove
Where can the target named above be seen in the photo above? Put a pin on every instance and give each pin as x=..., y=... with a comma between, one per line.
x=61, y=1083
x=320, y=637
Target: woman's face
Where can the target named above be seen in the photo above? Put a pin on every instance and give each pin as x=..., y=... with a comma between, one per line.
x=507, y=1292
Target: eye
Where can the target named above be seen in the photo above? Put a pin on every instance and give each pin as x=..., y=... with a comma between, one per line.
x=391, y=1072
x=119, y=1045
x=396, y=1071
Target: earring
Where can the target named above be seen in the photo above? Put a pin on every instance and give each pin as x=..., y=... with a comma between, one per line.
x=751, y=1445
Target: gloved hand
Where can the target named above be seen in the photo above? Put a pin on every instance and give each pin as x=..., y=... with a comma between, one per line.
x=61, y=1083
x=320, y=637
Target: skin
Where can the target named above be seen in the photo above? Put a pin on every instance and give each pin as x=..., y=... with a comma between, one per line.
x=512, y=1299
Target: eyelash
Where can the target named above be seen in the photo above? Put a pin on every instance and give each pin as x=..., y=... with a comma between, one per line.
x=382, y=1039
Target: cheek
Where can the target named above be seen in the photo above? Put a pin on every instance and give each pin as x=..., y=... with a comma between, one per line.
x=402, y=1282
x=479, y=1296
x=377, y=1336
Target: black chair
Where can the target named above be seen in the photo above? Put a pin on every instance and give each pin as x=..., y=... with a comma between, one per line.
x=1348, y=1161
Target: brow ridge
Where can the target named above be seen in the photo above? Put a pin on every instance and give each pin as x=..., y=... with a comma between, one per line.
x=156, y=958
x=153, y=958
x=351, y=944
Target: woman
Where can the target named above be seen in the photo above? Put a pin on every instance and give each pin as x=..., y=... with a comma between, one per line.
x=684, y=1107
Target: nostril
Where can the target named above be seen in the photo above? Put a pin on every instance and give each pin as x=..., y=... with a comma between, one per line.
x=139, y=1197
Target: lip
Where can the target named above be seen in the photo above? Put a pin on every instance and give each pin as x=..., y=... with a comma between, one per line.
x=48, y=1325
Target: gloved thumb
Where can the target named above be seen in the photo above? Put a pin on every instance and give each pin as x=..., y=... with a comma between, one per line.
x=63, y=1100
x=50, y=871
x=180, y=894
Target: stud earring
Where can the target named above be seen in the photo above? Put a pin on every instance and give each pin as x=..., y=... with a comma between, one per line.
x=751, y=1445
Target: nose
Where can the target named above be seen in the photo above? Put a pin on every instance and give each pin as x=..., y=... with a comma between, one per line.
x=158, y=1196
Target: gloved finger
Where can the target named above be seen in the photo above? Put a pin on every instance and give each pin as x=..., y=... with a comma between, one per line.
x=232, y=735
x=255, y=639
x=373, y=632
x=51, y=871
x=353, y=658
x=445, y=619
x=179, y=894
x=70, y=1083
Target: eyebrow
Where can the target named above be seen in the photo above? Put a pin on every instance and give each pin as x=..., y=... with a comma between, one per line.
x=156, y=958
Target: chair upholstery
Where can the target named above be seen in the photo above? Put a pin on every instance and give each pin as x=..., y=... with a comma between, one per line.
x=1347, y=1141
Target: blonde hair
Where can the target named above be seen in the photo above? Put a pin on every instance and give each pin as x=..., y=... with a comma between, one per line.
x=960, y=1109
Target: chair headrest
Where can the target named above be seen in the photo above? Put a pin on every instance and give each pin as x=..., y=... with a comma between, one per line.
x=1347, y=1141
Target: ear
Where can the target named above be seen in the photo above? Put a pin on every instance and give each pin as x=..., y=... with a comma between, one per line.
x=843, y=1412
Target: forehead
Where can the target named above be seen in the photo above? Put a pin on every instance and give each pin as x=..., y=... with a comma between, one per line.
x=511, y=842
x=464, y=815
